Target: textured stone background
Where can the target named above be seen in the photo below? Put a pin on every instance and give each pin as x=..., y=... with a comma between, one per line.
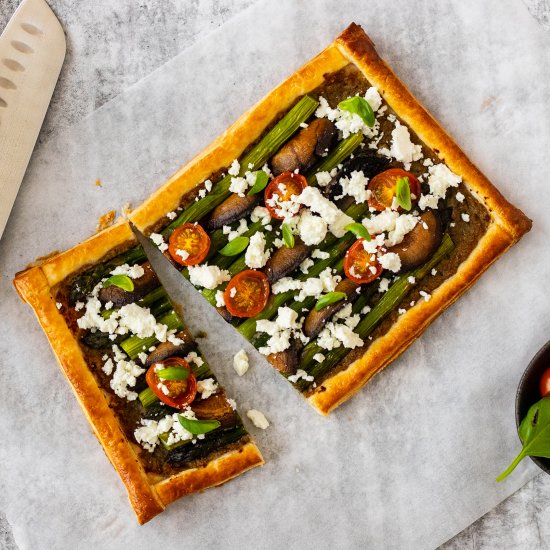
x=147, y=33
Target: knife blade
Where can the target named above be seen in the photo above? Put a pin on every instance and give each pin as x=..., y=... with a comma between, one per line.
x=32, y=50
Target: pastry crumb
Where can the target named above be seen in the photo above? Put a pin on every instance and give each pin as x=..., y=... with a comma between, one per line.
x=98, y=183
x=126, y=210
x=106, y=220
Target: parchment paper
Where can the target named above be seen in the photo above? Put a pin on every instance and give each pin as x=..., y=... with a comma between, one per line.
x=411, y=460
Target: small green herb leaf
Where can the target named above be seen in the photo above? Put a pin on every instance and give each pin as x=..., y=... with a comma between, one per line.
x=288, y=236
x=197, y=427
x=173, y=373
x=260, y=183
x=359, y=106
x=359, y=230
x=403, y=193
x=534, y=432
x=327, y=299
x=234, y=247
x=122, y=281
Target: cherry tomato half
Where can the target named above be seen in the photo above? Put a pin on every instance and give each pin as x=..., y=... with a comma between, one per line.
x=383, y=186
x=284, y=186
x=180, y=393
x=545, y=383
x=189, y=244
x=360, y=266
x=247, y=293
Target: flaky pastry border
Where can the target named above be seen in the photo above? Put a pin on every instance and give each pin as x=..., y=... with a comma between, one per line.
x=506, y=227
x=148, y=494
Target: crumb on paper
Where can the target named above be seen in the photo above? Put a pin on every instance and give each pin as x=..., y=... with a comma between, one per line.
x=106, y=220
x=98, y=183
x=126, y=210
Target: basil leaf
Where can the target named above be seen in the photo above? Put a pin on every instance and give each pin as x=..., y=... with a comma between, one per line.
x=327, y=299
x=359, y=230
x=122, y=281
x=534, y=432
x=403, y=193
x=359, y=106
x=173, y=373
x=197, y=427
x=260, y=183
x=288, y=236
x=234, y=247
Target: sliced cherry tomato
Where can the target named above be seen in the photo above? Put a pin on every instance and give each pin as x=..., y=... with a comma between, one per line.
x=360, y=266
x=383, y=187
x=284, y=186
x=545, y=383
x=247, y=293
x=189, y=244
x=180, y=393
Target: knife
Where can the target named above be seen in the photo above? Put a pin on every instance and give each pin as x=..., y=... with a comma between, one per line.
x=32, y=50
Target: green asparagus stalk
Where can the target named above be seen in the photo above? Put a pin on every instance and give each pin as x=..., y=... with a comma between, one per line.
x=134, y=345
x=385, y=306
x=253, y=160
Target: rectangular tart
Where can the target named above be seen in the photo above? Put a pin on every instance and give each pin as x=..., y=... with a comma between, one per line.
x=478, y=224
x=104, y=344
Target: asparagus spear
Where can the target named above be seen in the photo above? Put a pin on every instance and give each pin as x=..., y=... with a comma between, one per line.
x=385, y=306
x=256, y=158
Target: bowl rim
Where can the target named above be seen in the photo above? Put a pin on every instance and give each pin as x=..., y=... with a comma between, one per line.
x=544, y=351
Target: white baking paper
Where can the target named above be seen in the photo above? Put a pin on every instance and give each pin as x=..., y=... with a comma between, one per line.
x=411, y=460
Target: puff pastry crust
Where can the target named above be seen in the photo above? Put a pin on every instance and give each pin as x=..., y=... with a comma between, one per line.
x=148, y=494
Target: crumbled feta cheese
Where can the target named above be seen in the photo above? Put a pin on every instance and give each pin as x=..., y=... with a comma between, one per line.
x=240, y=362
x=411, y=279
x=58, y=305
x=124, y=376
x=134, y=272
x=465, y=217
x=260, y=213
x=356, y=186
x=305, y=265
x=208, y=185
x=232, y=403
x=390, y=261
x=193, y=357
x=440, y=179
x=220, y=302
x=374, y=99
x=238, y=186
x=427, y=162
x=238, y=231
x=402, y=148
x=234, y=168
x=142, y=357
x=460, y=197
x=434, y=271
x=183, y=254
x=79, y=305
x=258, y=419
x=109, y=305
x=347, y=122
x=319, y=357
x=286, y=318
x=428, y=201
x=401, y=311
x=207, y=387
x=171, y=215
x=320, y=254
x=300, y=374
x=384, y=285
x=323, y=178
x=158, y=239
x=208, y=276
x=312, y=229
x=425, y=295
x=256, y=255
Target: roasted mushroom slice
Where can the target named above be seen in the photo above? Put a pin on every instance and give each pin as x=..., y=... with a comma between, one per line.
x=215, y=407
x=285, y=260
x=142, y=286
x=303, y=149
x=168, y=349
x=286, y=362
x=316, y=320
x=232, y=209
x=421, y=242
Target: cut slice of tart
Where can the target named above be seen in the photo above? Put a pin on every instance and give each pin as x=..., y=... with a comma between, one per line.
x=332, y=222
x=163, y=419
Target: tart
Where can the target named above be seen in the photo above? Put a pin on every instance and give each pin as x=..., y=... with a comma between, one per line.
x=332, y=222
x=155, y=406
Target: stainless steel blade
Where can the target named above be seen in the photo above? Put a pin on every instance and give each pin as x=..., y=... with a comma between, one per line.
x=32, y=50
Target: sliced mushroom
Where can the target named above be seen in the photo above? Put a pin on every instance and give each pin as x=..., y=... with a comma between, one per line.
x=215, y=407
x=232, y=209
x=286, y=362
x=142, y=286
x=225, y=314
x=303, y=149
x=419, y=244
x=316, y=320
x=168, y=349
x=284, y=260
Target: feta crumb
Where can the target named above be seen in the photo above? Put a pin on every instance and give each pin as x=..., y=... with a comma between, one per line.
x=411, y=279
x=171, y=215
x=183, y=254
x=434, y=271
x=402, y=148
x=401, y=311
x=232, y=403
x=234, y=168
x=220, y=302
x=240, y=362
x=323, y=178
x=258, y=419
x=425, y=295
x=390, y=261
x=312, y=229
x=465, y=217
x=208, y=185
x=320, y=254
x=460, y=197
x=208, y=276
x=384, y=285
x=319, y=357
x=207, y=387
x=300, y=373
x=58, y=305
x=134, y=272
x=256, y=256
x=158, y=239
